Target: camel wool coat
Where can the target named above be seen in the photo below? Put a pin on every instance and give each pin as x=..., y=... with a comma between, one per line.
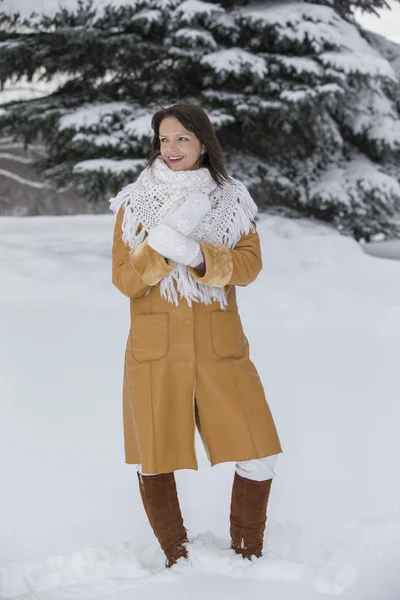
x=188, y=367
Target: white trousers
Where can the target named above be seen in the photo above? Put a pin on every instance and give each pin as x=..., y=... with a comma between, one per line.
x=257, y=469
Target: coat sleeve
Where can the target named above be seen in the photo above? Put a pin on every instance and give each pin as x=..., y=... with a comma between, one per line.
x=134, y=273
x=239, y=266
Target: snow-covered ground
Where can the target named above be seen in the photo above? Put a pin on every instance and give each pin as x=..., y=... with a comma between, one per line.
x=323, y=321
x=384, y=249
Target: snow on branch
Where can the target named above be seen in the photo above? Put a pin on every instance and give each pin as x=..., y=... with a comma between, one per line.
x=373, y=115
x=220, y=119
x=140, y=126
x=299, y=65
x=358, y=63
x=109, y=165
x=192, y=11
x=93, y=115
x=195, y=37
x=147, y=18
x=234, y=61
x=296, y=22
x=352, y=184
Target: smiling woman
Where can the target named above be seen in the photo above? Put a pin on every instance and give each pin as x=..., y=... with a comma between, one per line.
x=187, y=361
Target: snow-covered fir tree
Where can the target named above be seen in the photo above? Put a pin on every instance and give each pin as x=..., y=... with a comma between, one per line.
x=304, y=104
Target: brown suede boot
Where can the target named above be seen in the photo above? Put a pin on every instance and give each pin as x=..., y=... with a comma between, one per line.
x=248, y=515
x=160, y=501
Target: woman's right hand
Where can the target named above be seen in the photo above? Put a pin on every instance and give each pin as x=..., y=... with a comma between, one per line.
x=174, y=245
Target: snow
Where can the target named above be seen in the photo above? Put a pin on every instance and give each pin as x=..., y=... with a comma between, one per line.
x=49, y=7
x=321, y=28
x=323, y=322
x=299, y=65
x=384, y=249
x=93, y=115
x=109, y=124
x=376, y=117
x=151, y=16
x=21, y=159
x=387, y=48
x=108, y=164
x=8, y=143
x=196, y=36
x=190, y=10
x=300, y=22
x=140, y=127
x=388, y=23
x=116, y=140
x=354, y=181
x=358, y=62
x=40, y=185
x=234, y=60
x=297, y=96
x=220, y=119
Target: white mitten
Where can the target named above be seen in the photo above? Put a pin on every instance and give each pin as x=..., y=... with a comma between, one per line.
x=187, y=217
x=172, y=244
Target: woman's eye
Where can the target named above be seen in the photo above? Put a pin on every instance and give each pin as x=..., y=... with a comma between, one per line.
x=181, y=138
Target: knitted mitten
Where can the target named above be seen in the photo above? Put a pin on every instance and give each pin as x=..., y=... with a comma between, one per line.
x=188, y=216
x=175, y=246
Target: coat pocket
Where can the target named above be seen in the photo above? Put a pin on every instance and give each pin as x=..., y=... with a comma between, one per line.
x=227, y=334
x=149, y=336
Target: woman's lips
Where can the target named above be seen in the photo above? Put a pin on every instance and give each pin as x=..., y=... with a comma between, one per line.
x=175, y=161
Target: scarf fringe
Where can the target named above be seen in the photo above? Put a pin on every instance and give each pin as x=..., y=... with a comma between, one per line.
x=181, y=281
x=131, y=221
x=243, y=216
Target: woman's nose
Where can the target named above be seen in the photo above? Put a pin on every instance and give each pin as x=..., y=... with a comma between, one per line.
x=173, y=148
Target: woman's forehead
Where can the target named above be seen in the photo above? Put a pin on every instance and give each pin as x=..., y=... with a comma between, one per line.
x=172, y=125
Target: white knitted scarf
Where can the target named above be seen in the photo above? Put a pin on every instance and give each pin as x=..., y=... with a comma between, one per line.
x=158, y=191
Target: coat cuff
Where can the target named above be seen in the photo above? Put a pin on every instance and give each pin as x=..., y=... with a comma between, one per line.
x=200, y=267
x=149, y=264
x=219, y=265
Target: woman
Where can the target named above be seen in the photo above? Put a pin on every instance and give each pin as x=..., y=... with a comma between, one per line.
x=184, y=237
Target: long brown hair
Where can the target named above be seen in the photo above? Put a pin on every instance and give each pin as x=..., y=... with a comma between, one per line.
x=194, y=119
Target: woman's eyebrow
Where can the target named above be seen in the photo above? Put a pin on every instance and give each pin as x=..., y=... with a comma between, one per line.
x=177, y=134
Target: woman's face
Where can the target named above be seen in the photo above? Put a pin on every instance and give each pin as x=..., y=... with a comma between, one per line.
x=179, y=147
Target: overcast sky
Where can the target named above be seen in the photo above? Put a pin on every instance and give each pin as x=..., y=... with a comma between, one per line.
x=388, y=25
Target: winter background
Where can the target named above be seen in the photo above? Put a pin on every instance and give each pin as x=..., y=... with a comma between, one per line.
x=323, y=322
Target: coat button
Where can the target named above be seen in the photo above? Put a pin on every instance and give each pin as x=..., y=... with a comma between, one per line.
x=188, y=322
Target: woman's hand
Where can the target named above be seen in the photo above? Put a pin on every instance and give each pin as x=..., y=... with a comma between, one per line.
x=188, y=216
x=175, y=246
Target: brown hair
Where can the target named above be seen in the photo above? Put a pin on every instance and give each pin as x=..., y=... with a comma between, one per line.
x=194, y=119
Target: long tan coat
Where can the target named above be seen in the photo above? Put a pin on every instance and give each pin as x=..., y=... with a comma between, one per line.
x=190, y=366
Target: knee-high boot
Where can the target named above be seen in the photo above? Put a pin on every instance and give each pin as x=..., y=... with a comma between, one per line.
x=248, y=515
x=160, y=501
